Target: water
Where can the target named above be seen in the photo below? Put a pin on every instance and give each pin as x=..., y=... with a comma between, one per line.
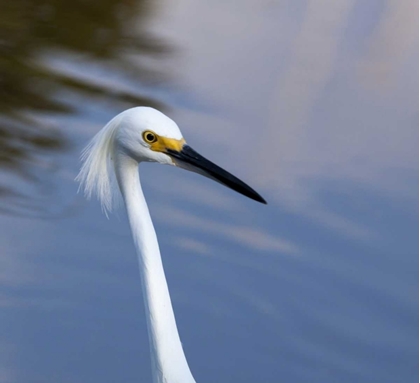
x=313, y=103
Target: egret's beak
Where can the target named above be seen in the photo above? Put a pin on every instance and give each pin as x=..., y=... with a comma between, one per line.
x=189, y=159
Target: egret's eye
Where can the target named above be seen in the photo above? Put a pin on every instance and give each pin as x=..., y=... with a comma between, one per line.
x=149, y=137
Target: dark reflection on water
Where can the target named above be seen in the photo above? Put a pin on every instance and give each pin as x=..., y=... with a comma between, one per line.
x=31, y=31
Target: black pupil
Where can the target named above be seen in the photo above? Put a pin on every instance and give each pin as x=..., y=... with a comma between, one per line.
x=150, y=137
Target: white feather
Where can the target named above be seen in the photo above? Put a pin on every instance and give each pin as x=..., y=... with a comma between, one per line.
x=97, y=174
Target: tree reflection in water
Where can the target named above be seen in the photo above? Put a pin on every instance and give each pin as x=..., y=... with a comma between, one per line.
x=108, y=32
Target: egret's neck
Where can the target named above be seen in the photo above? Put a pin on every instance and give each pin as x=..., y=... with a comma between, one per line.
x=168, y=360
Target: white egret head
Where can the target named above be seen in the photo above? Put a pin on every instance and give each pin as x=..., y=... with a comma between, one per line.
x=145, y=135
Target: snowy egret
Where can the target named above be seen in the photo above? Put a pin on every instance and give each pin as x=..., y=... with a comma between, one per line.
x=110, y=162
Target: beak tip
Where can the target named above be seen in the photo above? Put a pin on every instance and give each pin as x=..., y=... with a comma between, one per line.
x=261, y=200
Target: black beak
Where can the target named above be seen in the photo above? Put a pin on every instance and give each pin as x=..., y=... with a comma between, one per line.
x=189, y=159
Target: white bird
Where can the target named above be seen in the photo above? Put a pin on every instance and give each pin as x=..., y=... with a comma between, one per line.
x=110, y=162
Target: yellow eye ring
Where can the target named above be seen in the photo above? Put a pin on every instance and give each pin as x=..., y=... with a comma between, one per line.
x=149, y=137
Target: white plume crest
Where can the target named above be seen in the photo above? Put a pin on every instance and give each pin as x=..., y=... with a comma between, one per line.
x=97, y=174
